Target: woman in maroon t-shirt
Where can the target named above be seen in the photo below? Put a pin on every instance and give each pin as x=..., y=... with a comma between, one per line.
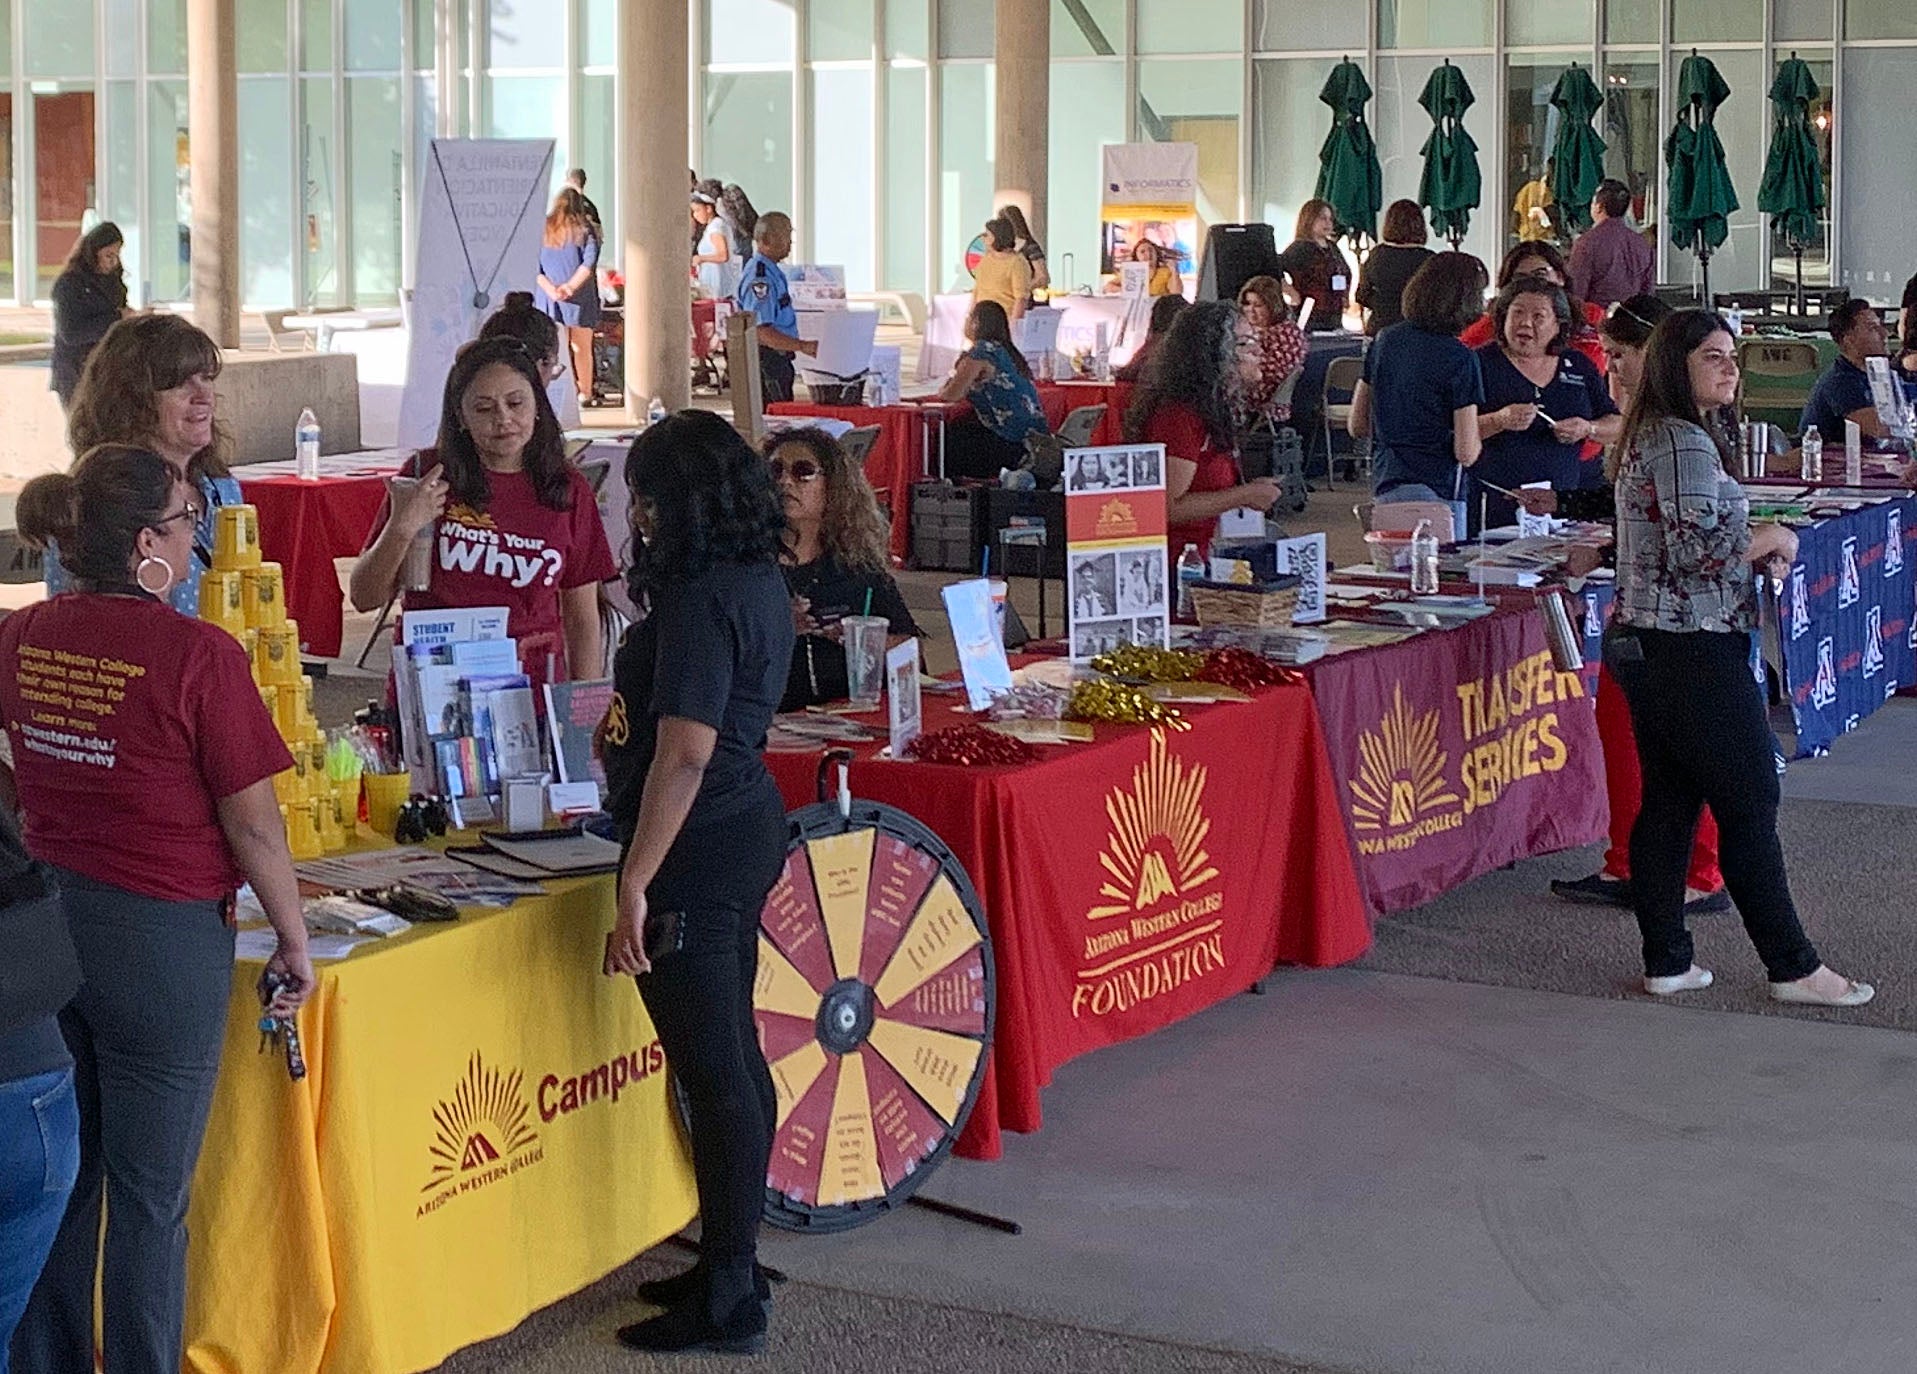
x=1185, y=402
x=514, y=523
x=143, y=759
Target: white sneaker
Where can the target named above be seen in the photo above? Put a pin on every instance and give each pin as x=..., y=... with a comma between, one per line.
x=1855, y=994
x=1693, y=979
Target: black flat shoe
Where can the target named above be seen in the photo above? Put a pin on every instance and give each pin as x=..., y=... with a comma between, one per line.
x=676, y=1289
x=683, y=1330
x=1596, y=890
x=1710, y=904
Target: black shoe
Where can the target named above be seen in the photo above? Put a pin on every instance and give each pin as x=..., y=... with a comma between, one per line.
x=685, y=1329
x=1710, y=904
x=676, y=1289
x=1596, y=890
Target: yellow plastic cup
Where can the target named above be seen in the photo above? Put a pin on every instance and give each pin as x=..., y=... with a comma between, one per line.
x=385, y=794
x=332, y=830
x=302, y=830
x=236, y=538
x=263, y=595
x=291, y=712
x=276, y=662
x=222, y=601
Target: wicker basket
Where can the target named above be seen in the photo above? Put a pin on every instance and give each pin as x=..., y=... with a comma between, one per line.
x=1259, y=606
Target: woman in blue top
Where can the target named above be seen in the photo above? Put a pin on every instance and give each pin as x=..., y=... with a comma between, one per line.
x=569, y=283
x=1421, y=390
x=1542, y=401
x=993, y=376
x=149, y=384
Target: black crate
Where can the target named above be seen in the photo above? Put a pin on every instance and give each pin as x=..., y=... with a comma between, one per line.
x=1003, y=508
x=947, y=526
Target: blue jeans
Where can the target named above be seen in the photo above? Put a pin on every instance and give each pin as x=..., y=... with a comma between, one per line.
x=39, y=1159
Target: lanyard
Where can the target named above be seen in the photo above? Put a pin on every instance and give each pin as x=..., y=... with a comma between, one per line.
x=482, y=295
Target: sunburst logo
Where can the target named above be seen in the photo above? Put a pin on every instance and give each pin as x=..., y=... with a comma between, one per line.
x=484, y=1123
x=1156, y=849
x=1401, y=770
x=459, y=513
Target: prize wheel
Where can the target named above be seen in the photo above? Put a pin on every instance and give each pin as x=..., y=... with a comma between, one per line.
x=975, y=254
x=874, y=1003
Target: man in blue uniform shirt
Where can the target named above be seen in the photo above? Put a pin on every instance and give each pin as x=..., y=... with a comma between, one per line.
x=1843, y=392
x=765, y=295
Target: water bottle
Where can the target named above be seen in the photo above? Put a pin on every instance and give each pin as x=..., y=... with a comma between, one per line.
x=1812, y=463
x=1191, y=570
x=1424, y=560
x=655, y=412
x=306, y=447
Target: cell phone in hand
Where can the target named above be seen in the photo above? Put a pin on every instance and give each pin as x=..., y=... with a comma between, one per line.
x=664, y=934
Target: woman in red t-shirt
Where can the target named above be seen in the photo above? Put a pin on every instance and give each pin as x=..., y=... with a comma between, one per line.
x=1535, y=259
x=1186, y=402
x=515, y=524
x=143, y=760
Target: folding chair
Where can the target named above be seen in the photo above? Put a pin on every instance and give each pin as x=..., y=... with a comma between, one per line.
x=1343, y=374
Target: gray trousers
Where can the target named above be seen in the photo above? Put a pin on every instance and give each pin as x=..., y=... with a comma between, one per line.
x=145, y=1030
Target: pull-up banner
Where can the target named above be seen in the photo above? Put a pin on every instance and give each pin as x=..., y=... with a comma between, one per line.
x=1150, y=192
x=482, y=215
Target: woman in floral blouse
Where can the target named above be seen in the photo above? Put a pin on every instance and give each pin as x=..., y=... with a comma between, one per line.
x=1281, y=352
x=1679, y=645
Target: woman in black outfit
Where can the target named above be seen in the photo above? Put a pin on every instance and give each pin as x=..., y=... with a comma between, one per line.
x=836, y=554
x=89, y=298
x=1317, y=269
x=703, y=829
x=1381, y=281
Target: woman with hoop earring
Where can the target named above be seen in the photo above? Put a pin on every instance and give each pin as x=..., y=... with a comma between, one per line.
x=143, y=763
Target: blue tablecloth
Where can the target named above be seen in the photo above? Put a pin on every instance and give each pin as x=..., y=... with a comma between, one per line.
x=1847, y=619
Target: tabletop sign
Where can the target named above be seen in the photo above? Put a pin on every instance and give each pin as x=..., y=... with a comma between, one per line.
x=904, y=699
x=1887, y=398
x=979, y=641
x=1117, y=584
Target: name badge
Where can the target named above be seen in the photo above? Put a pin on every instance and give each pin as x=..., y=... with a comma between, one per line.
x=1337, y=283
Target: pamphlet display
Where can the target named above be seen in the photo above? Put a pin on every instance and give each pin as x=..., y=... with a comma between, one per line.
x=1116, y=581
x=904, y=699
x=979, y=639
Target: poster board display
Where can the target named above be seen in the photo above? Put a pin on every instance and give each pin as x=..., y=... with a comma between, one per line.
x=1117, y=583
x=1150, y=191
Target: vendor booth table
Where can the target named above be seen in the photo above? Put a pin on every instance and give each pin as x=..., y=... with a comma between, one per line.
x=484, y=1129
x=1062, y=398
x=1133, y=881
x=1459, y=751
x=1126, y=319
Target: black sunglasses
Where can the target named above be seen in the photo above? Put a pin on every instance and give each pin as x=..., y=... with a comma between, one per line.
x=798, y=469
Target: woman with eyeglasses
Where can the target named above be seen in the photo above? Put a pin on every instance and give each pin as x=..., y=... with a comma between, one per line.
x=143, y=763
x=512, y=521
x=150, y=384
x=1679, y=644
x=835, y=560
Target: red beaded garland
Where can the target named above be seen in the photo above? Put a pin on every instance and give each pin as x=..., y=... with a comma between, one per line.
x=970, y=745
x=1242, y=669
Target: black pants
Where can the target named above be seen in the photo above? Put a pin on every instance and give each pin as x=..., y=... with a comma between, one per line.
x=776, y=374
x=700, y=999
x=146, y=1030
x=1702, y=737
x=972, y=450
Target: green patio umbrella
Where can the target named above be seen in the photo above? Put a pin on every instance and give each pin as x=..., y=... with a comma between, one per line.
x=1348, y=173
x=1577, y=154
x=1701, y=197
x=1792, y=192
x=1451, y=186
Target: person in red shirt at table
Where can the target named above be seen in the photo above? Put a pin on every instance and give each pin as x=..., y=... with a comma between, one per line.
x=143, y=761
x=1540, y=259
x=1186, y=402
x=515, y=523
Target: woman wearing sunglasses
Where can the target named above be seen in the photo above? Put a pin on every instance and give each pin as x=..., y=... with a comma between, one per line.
x=835, y=560
x=143, y=762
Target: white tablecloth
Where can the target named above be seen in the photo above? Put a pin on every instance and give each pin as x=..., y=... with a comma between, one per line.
x=1125, y=319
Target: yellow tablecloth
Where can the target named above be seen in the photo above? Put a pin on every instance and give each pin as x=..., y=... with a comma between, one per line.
x=483, y=1129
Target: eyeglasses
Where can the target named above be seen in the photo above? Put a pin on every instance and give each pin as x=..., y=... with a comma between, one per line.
x=799, y=470
x=189, y=513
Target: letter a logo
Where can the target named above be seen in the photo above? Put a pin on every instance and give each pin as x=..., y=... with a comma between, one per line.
x=1873, y=641
x=1893, y=542
x=1800, y=604
x=1824, y=689
x=1850, y=589
x=1154, y=881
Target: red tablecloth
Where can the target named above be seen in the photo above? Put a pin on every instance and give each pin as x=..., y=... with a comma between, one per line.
x=896, y=461
x=304, y=526
x=1061, y=398
x=1135, y=881
x=1458, y=752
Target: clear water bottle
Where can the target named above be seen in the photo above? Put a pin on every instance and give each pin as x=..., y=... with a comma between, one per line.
x=1191, y=570
x=1424, y=560
x=306, y=446
x=655, y=412
x=1812, y=464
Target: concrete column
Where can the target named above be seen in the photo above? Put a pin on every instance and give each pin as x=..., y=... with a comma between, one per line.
x=1022, y=52
x=655, y=248
x=213, y=136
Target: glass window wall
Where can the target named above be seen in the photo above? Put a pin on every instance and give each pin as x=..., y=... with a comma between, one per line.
x=169, y=204
x=1196, y=100
x=1088, y=28
x=1284, y=163
x=1877, y=257
x=266, y=191
x=1441, y=25
x=1092, y=116
x=1401, y=127
x=903, y=208
x=1191, y=26
x=842, y=188
x=966, y=119
x=1632, y=137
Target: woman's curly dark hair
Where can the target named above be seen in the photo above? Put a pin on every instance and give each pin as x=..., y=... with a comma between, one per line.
x=711, y=500
x=853, y=530
x=1197, y=365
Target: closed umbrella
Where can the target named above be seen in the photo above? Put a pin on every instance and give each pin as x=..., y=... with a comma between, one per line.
x=1577, y=154
x=1792, y=192
x=1349, y=177
x=1451, y=186
x=1701, y=198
